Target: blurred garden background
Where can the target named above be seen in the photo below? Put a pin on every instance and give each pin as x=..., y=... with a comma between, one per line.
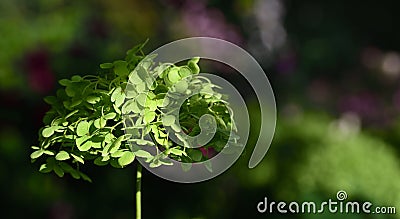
x=334, y=67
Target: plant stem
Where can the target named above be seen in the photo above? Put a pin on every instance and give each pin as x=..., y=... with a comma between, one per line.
x=138, y=191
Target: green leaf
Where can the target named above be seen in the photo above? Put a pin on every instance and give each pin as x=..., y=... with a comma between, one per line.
x=96, y=145
x=176, y=151
x=85, y=177
x=92, y=99
x=194, y=67
x=82, y=128
x=142, y=72
x=155, y=163
x=69, y=115
x=184, y=71
x=134, y=79
x=130, y=106
x=106, y=65
x=176, y=127
x=47, y=132
x=127, y=158
x=62, y=155
x=100, y=123
x=141, y=99
x=106, y=149
x=116, y=108
x=195, y=154
x=109, y=137
x=117, y=154
x=116, y=93
x=75, y=174
x=110, y=116
x=44, y=168
x=181, y=86
x=120, y=68
x=151, y=104
x=70, y=91
x=58, y=170
x=77, y=158
x=168, y=120
x=120, y=99
x=50, y=100
x=75, y=102
x=36, y=154
x=207, y=89
x=136, y=49
x=116, y=144
x=130, y=91
x=66, y=167
x=161, y=141
x=83, y=143
x=143, y=154
x=58, y=128
x=85, y=146
x=64, y=82
x=163, y=102
x=140, y=88
x=105, y=158
x=76, y=78
x=151, y=95
x=98, y=161
x=114, y=163
x=166, y=162
x=149, y=116
x=143, y=142
x=173, y=75
x=51, y=153
x=195, y=60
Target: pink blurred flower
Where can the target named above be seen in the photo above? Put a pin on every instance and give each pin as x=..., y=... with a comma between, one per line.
x=208, y=152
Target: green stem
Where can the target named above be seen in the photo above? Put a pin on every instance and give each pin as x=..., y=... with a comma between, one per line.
x=138, y=191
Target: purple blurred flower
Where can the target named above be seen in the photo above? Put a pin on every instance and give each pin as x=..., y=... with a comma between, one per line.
x=202, y=21
x=396, y=100
x=320, y=91
x=40, y=77
x=365, y=105
x=286, y=63
x=62, y=210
